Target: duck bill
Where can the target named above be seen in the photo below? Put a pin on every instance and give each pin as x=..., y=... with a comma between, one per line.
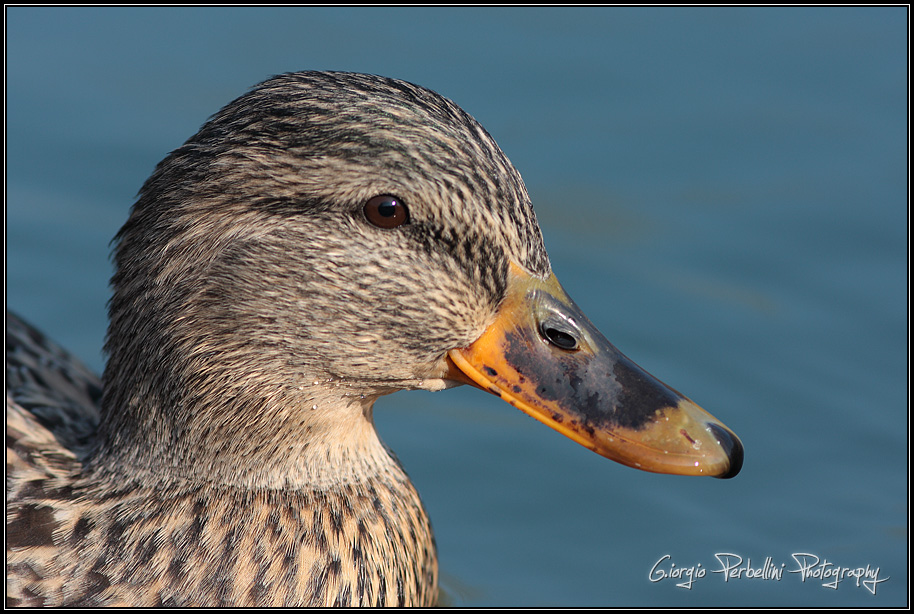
x=543, y=356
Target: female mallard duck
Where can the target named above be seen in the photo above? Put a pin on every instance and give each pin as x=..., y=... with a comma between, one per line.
x=325, y=239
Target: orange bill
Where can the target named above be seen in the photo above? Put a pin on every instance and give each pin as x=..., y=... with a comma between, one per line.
x=543, y=356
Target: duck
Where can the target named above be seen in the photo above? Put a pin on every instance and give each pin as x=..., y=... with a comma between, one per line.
x=325, y=239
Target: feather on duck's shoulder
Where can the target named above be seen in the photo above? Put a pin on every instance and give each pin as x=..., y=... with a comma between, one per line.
x=52, y=401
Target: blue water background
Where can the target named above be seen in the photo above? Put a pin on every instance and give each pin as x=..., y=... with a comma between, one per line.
x=723, y=191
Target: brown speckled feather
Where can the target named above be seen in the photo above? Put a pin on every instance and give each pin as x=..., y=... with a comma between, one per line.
x=72, y=542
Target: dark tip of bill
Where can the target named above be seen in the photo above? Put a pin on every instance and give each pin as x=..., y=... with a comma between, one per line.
x=732, y=446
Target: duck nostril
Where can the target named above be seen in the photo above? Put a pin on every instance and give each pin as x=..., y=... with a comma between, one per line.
x=560, y=338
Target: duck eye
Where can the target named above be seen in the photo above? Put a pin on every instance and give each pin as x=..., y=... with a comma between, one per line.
x=386, y=211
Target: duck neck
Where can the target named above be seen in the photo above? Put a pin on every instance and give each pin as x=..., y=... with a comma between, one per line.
x=251, y=435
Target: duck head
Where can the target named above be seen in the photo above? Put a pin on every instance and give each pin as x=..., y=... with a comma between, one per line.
x=330, y=237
